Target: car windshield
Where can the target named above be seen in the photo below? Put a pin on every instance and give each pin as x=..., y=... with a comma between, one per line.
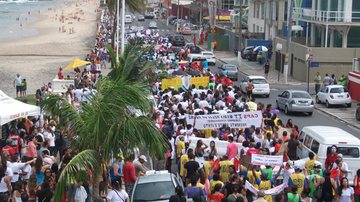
x=154, y=191
x=337, y=90
x=259, y=81
x=301, y=95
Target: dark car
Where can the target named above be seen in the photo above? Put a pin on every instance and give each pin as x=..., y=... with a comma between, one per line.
x=245, y=52
x=149, y=16
x=195, y=49
x=178, y=40
x=357, y=115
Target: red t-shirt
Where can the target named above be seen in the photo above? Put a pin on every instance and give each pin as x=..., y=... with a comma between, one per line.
x=129, y=172
x=8, y=149
x=252, y=151
x=216, y=197
x=357, y=188
x=60, y=76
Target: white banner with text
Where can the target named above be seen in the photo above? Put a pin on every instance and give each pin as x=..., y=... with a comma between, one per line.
x=267, y=160
x=233, y=120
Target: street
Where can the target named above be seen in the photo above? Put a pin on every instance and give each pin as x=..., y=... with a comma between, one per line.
x=302, y=120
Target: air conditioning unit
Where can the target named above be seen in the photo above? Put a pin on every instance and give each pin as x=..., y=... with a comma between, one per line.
x=356, y=65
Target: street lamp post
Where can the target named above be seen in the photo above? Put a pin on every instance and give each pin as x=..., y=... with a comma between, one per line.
x=117, y=30
x=288, y=40
x=123, y=26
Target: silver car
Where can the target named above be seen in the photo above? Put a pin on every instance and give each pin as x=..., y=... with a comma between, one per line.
x=295, y=101
x=155, y=186
x=229, y=70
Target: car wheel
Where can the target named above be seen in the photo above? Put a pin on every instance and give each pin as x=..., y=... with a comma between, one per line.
x=277, y=105
x=327, y=104
x=310, y=113
x=357, y=115
x=317, y=100
x=348, y=104
x=286, y=110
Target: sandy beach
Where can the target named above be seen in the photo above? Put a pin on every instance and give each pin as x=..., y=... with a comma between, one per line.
x=64, y=33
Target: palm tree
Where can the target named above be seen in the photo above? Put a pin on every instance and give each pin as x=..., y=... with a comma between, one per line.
x=108, y=125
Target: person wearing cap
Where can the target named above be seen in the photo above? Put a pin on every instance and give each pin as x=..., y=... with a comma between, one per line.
x=297, y=180
x=116, y=169
x=140, y=168
x=261, y=195
x=344, y=166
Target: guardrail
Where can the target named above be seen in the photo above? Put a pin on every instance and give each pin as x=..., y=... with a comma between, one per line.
x=307, y=14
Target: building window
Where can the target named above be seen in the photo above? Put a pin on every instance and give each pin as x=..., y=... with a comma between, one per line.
x=263, y=11
x=286, y=10
x=257, y=10
x=254, y=3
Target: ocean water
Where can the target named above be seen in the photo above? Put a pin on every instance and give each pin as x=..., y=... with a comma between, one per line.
x=14, y=16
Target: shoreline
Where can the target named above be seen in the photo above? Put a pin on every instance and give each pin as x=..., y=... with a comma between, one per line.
x=37, y=58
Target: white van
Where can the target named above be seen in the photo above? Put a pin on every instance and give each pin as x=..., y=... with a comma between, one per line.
x=319, y=139
x=128, y=19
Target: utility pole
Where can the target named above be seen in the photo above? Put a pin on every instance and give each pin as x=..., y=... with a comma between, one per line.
x=117, y=30
x=288, y=39
x=201, y=14
x=240, y=26
x=123, y=26
x=178, y=4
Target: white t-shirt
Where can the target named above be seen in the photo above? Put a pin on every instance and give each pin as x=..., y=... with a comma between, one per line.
x=117, y=196
x=15, y=167
x=346, y=195
x=27, y=170
x=80, y=194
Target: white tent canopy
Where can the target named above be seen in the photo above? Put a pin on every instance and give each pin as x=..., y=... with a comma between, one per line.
x=11, y=109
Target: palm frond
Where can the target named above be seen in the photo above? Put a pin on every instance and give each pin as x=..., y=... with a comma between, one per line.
x=77, y=170
x=58, y=106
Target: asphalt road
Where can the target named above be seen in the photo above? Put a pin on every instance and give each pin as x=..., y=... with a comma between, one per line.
x=318, y=118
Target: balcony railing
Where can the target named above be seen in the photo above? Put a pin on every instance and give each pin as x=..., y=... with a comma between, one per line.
x=307, y=14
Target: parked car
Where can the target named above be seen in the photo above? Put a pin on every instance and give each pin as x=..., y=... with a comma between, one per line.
x=210, y=57
x=357, y=114
x=333, y=95
x=178, y=40
x=149, y=15
x=152, y=25
x=141, y=18
x=245, y=52
x=229, y=70
x=128, y=19
x=295, y=101
x=195, y=49
x=261, y=86
x=155, y=186
x=185, y=31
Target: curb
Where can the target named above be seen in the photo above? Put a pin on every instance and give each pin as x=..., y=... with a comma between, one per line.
x=336, y=117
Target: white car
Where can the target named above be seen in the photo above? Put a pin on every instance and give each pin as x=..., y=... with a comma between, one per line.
x=261, y=86
x=128, y=19
x=210, y=57
x=333, y=95
x=152, y=25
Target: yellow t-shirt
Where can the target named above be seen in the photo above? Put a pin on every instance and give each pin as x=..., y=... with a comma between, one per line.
x=224, y=170
x=198, y=184
x=180, y=148
x=207, y=132
x=298, y=180
x=215, y=182
x=265, y=185
x=207, y=168
x=309, y=165
x=183, y=159
x=252, y=179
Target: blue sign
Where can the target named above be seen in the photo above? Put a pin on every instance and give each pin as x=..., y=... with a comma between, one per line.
x=314, y=64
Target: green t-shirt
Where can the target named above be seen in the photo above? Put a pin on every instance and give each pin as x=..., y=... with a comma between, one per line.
x=269, y=172
x=293, y=197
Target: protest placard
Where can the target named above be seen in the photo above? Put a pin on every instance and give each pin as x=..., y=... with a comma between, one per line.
x=232, y=120
x=267, y=160
x=174, y=82
x=200, y=81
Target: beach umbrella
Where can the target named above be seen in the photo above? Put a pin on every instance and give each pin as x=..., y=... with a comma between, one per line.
x=261, y=48
x=76, y=63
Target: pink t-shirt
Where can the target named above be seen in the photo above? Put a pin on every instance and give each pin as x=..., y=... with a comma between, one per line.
x=231, y=150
